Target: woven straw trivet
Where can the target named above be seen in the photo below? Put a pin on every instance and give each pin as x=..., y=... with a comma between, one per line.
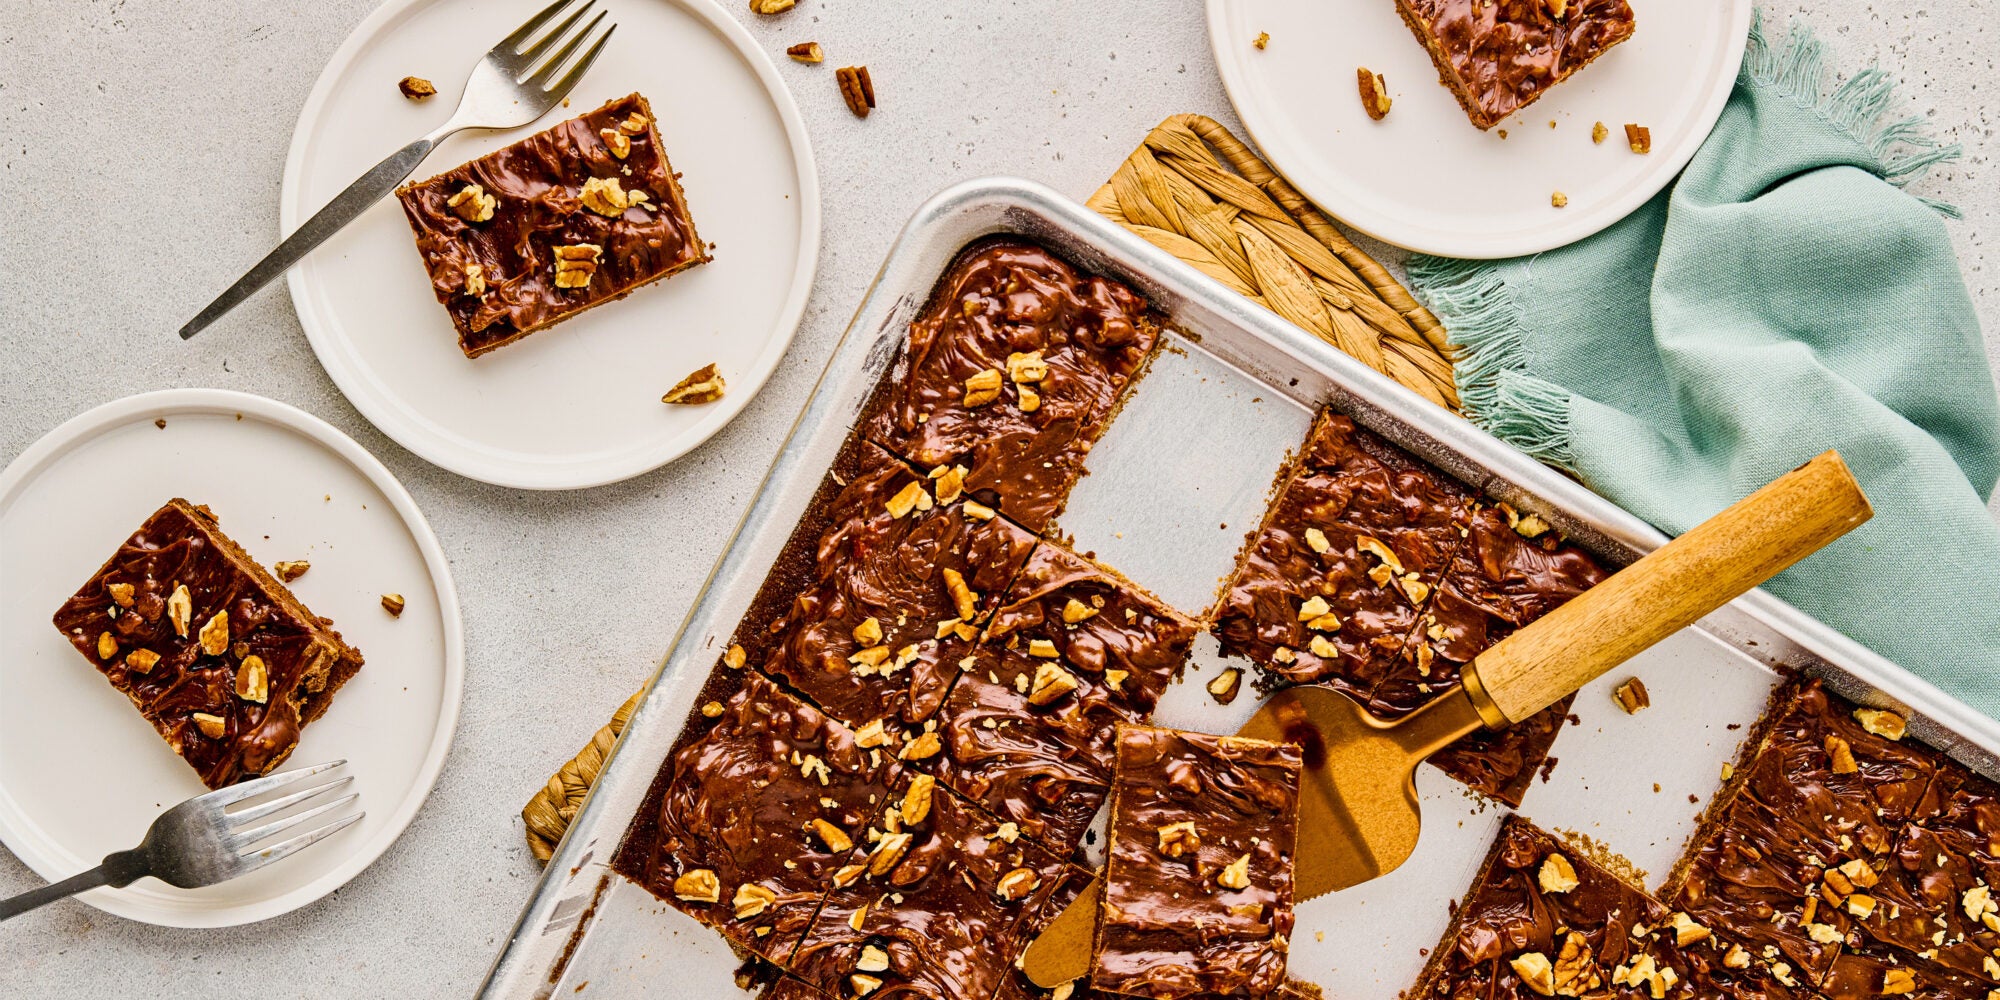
x=1247, y=229
x=1252, y=231
x=549, y=812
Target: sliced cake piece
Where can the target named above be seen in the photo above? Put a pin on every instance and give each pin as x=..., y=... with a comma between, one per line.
x=1348, y=556
x=1543, y=920
x=218, y=655
x=1499, y=56
x=568, y=218
x=906, y=564
x=1198, y=888
x=1512, y=570
x=928, y=905
x=746, y=826
x=1012, y=371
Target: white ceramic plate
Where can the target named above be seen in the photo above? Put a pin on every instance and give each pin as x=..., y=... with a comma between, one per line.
x=578, y=404
x=1425, y=177
x=81, y=773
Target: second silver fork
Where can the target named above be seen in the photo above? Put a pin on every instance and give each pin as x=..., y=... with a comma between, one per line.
x=516, y=82
x=201, y=841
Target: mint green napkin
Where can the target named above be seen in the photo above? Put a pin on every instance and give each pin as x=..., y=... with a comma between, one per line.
x=1783, y=297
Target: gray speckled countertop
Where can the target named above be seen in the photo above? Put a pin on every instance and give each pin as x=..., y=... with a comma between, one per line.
x=140, y=150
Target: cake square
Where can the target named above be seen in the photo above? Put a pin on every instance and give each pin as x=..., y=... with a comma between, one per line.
x=1347, y=557
x=1011, y=371
x=930, y=905
x=1073, y=651
x=218, y=655
x=1500, y=56
x=1541, y=919
x=907, y=563
x=1198, y=887
x=1825, y=810
x=536, y=232
x=1511, y=570
x=746, y=826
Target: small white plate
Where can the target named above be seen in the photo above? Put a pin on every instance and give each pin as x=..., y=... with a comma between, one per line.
x=578, y=404
x=81, y=773
x=1425, y=178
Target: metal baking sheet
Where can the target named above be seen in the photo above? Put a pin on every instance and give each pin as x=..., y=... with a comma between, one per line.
x=1182, y=473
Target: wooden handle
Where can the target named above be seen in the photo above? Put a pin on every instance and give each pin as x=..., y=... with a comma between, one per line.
x=1719, y=559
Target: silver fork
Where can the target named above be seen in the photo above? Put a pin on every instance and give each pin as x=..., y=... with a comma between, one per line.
x=514, y=84
x=200, y=842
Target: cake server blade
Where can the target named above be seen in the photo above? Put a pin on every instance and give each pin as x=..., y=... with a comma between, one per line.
x=1358, y=814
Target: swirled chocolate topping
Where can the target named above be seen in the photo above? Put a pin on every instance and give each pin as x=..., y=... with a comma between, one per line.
x=218, y=655
x=1853, y=853
x=549, y=192
x=1542, y=920
x=753, y=817
x=1012, y=370
x=898, y=571
x=1499, y=56
x=1198, y=889
x=929, y=908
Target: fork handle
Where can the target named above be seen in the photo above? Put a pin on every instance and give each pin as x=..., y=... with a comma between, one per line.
x=118, y=870
x=365, y=191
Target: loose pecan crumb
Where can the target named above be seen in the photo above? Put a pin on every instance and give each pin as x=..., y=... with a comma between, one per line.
x=416, y=88
x=806, y=52
x=1598, y=132
x=291, y=569
x=1374, y=93
x=1225, y=685
x=393, y=603
x=856, y=89
x=1639, y=137
x=704, y=385
x=772, y=6
x=1263, y=38
x=1559, y=199
x=1631, y=696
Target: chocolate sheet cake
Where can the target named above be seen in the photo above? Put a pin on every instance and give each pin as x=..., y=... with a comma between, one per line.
x=1198, y=888
x=217, y=654
x=1012, y=371
x=566, y=219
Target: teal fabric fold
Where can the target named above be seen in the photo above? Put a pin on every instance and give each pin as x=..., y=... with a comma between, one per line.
x=1784, y=296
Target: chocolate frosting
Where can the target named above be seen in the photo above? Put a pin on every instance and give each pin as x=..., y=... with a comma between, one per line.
x=873, y=564
x=1924, y=826
x=1044, y=768
x=537, y=183
x=1169, y=929
x=1347, y=485
x=739, y=803
x=1499, y=56
x=1512, y=913
x=1003, y=298
x=305, y=660
x=940, y=914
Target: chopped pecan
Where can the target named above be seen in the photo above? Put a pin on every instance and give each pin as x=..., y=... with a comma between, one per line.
x=1374, y=93
x=472, y=204
x=806, y=52
x=703, y=385
x=416, y=88
x=1639, y=137
x=576, y=263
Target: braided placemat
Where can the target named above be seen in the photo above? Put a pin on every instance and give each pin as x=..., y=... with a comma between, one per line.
x=1198, y=193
